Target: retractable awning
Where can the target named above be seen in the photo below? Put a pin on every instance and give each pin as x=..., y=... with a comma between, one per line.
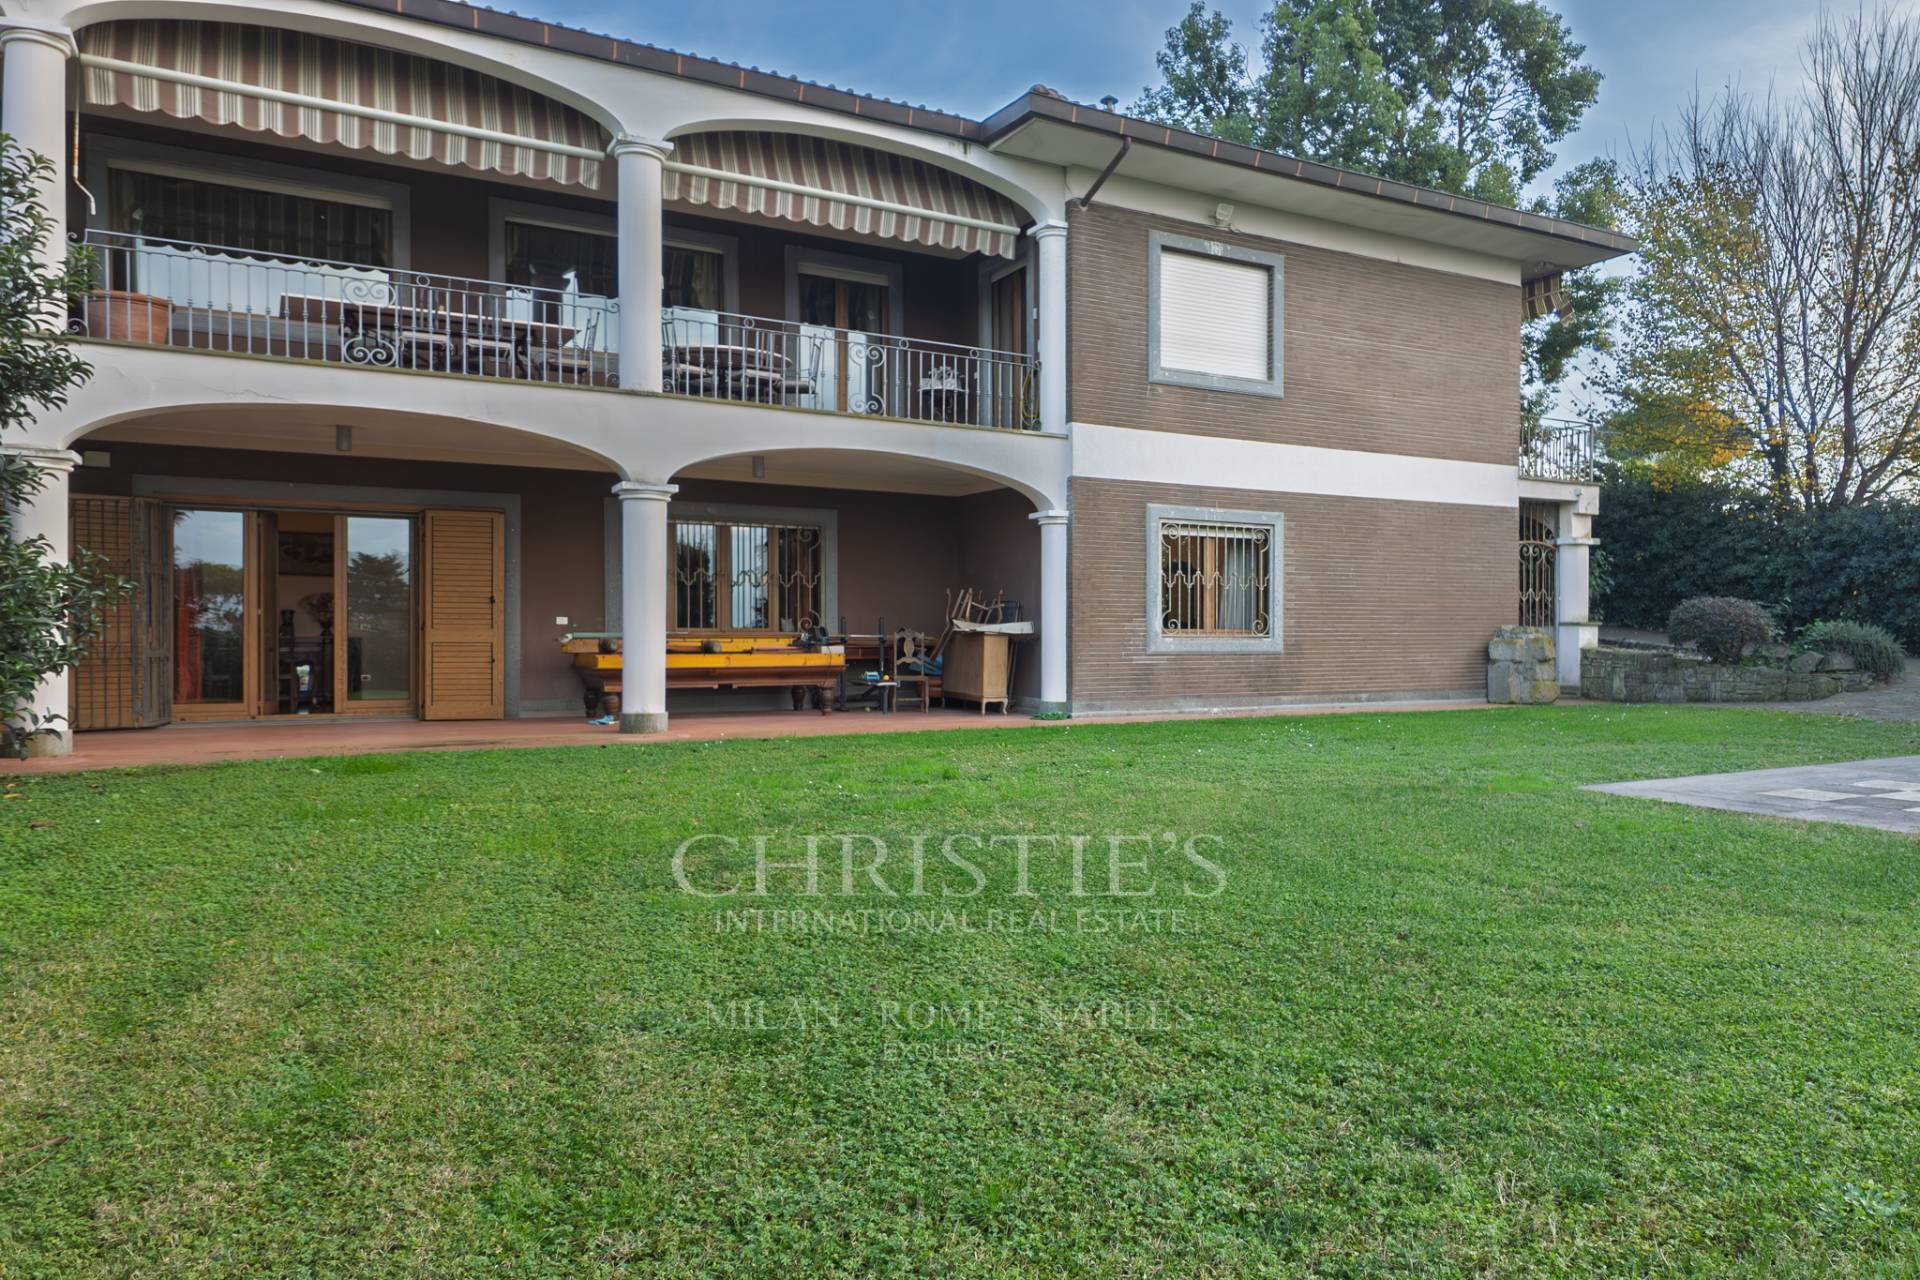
x=338, y=93
x=1543, y=295
x=823, y=183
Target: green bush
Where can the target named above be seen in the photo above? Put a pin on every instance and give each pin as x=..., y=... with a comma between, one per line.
x=1719, y=626
x=1667, y=542
x=1876, y=649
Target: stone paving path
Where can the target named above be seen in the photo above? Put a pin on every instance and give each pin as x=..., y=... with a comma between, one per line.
x=1898, y=702
x=1864, y=793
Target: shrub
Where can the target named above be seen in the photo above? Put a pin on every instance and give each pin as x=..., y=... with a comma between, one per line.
x=1720, y=626
x=1874, y=648
x=1666, y=542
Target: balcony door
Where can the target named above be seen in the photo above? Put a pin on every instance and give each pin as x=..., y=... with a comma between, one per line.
x=1005, y=389
x=845, y=319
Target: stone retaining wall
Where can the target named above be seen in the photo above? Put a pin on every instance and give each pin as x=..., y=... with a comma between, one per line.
x=1659, y=675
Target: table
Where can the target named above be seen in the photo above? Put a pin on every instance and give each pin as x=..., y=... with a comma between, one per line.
x=864, y=653
x=736, y=371
x=390, y=334
x=732, y=662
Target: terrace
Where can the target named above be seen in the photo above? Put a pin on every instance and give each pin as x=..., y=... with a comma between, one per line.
x=395, y=221
x=235, y=300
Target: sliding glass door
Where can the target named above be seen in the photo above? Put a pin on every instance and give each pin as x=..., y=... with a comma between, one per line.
x=379, y=615
x=293, y=613
x=209, y=601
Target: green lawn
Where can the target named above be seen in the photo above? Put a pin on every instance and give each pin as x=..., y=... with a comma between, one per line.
x=450, y=1014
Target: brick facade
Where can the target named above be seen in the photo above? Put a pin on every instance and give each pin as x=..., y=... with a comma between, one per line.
x=1380, y=599
x=1380, y=357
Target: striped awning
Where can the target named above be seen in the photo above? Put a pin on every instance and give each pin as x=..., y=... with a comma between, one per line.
x=1544, y=295
x=338, y=93
x=822, y=183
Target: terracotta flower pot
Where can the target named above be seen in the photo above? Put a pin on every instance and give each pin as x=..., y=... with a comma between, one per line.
x=120, y=316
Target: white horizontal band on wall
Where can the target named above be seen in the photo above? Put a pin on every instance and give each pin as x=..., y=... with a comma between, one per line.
x=1214, y=462
x=843, y=197
x=99, y=62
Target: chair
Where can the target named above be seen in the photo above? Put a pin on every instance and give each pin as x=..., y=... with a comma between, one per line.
x=943, y=393
x=912, y=668
x=579, y=359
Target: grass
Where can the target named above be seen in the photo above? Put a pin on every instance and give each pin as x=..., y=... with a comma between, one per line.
x=450, y=1014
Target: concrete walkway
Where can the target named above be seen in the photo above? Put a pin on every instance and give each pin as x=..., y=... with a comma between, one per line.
x=1864, y=793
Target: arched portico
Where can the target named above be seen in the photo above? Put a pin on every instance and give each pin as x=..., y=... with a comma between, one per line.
x=891, y=535
x=146, y=383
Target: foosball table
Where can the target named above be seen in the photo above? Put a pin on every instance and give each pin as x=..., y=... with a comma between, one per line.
x=713, y=662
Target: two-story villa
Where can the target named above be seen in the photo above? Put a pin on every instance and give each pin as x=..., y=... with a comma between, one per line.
x=424, y=334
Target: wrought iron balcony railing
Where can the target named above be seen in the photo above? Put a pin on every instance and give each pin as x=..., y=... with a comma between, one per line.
x=207, y=297
x=717, y=355
x=1569, y=451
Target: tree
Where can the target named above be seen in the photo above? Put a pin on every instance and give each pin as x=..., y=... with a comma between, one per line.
x=1591, y=194
x=1466, y=96
x=48, y=611
x=1772, y=333
x=1325, y=93
x=1204, y=79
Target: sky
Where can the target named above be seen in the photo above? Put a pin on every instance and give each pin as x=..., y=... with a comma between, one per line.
x=976, y=57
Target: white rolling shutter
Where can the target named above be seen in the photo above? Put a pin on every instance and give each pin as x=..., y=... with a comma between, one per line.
x=1216, y=316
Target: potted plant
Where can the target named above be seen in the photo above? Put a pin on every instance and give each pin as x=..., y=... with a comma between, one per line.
x=120, y=315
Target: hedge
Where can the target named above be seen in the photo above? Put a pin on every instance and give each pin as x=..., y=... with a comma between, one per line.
x=1665, y=544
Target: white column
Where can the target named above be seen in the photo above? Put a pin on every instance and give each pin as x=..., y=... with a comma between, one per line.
x=33, y=110
x=1050, y=240
x=45, y=516
x=1572, y=595
x=639, y=160
x=643, y=604
x=1053, y=609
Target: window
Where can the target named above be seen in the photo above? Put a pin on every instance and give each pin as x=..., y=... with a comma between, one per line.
x=746, y=577
x=565, y=259
x=1214, y=315
x=693, y=278
x=1214, y=580
x=166, y=207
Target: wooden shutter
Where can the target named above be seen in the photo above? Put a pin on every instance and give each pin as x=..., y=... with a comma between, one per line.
x=103, y=681
x=126, y=680
x=152, y=529
x=1216, y=316
x=463, y=593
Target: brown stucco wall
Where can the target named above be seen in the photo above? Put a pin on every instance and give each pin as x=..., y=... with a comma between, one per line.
x=1378, y=356
x=1379, y=598
x=898, y=552
x=1000, y=551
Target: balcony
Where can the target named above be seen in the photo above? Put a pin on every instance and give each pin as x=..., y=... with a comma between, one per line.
x=214, y=298
x=1567, y=452
x=201, y=297
x=716, y=355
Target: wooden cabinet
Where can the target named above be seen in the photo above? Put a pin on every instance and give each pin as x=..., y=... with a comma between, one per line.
x=978, y=667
